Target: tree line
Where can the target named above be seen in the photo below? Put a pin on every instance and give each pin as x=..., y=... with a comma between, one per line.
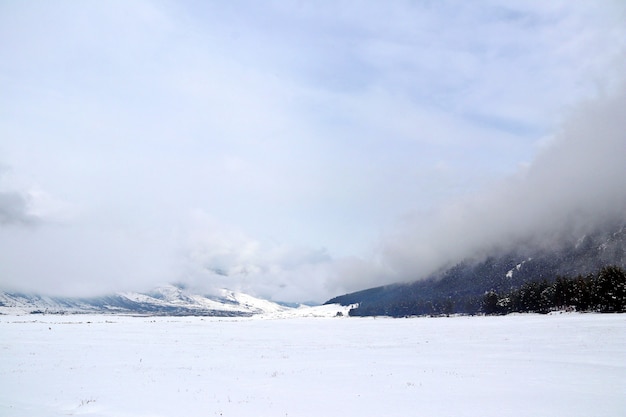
x=604, y=291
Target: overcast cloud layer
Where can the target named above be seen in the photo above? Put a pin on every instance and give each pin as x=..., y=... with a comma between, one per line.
x=297, y=151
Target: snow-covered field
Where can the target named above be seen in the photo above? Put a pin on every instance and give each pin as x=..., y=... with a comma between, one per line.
x=528, y=365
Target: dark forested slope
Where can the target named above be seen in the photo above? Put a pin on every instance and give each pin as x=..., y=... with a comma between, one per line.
x=462, y=288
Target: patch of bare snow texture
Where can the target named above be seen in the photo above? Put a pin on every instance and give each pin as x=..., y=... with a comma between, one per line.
x=517, y=268
x=118, y=366
x=326, y=310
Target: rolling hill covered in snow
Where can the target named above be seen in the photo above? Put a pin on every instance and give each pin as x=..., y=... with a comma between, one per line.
x=172, y=300
x=168, y=300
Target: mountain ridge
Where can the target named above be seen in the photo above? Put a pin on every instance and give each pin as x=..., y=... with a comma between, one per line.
x=461, y=287
x=172, y=300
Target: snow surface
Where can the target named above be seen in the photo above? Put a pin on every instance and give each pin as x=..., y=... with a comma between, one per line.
x=519, y=365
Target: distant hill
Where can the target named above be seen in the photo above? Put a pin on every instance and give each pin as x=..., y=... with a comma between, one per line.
x=462, y=288
x=170, y=300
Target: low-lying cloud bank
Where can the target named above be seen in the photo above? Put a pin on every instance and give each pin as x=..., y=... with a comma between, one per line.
x=576, y=182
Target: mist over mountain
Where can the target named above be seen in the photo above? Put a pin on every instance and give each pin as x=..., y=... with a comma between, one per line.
x=575, y=185
x=461, y=288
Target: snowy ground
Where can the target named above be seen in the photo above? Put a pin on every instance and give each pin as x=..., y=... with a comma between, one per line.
x=529, y=365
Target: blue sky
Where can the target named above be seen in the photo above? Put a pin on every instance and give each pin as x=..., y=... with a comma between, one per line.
x=281, y=143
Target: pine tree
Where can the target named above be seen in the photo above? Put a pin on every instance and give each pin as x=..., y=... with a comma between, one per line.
x=609, y=290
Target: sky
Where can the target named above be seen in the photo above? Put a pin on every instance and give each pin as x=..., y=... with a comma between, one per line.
x=298, y=150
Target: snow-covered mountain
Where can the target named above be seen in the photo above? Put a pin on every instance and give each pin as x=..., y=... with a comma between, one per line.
x=165, y=300
x=460, y=288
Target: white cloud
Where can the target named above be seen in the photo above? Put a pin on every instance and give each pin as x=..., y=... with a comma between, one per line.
x=219, y=256
x=301, y=126
x=14, y=209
